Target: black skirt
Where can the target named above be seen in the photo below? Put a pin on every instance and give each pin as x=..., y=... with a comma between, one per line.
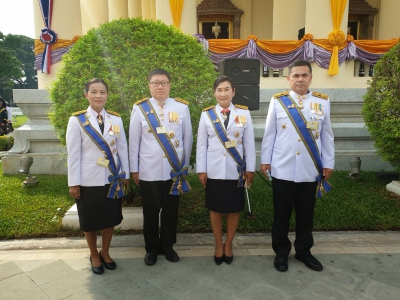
x=96, y=211
x=223, y=196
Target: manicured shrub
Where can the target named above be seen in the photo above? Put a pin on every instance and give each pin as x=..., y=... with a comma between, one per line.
x=6, y=142
x=122, y=53
x=382, y=106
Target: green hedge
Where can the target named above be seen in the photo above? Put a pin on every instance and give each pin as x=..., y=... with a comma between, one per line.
x=122, y=53
x=382, y=106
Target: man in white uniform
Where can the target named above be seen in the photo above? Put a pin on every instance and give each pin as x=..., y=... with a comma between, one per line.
x=298, y=152
x=160, y=143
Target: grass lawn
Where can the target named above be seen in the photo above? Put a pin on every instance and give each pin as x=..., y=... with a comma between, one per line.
x=362, y=204
x=19, y=121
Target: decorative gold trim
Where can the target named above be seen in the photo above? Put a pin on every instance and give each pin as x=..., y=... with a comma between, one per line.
x=207, y=108
x=182, y=101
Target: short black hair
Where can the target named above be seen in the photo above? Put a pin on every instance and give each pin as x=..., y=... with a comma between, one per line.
x=95, y=80
x=158, y=72
x=223, y=78
x=300, y=63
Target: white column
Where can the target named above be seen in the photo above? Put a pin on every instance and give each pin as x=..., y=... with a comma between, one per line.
x=146, y=9
x=117, y=9
x=93, y=13
x=134, y=8
x=288, y=17
x=189, y=17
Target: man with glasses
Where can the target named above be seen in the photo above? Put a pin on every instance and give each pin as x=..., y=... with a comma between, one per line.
x=160, y=143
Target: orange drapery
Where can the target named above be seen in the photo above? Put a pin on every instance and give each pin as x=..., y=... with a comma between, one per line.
x=176, y=10
x=337, y=9
x=283, y=47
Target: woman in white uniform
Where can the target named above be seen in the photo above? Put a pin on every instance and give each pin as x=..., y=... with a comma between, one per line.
x=225, y=162
x=98, y=168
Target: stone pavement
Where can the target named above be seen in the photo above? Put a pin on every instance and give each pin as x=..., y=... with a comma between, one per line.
x=357, y=265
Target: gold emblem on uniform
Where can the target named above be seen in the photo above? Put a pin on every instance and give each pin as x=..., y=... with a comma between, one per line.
x=86, y=123
x=149, y=129
x=171, y=134
x=240, y=141
x=152, y=111
x=283, y=125
x=112, y=143
x=176, y=143
x=237, y=134
x=173, y=117
x=317, y=134
x=114, y=150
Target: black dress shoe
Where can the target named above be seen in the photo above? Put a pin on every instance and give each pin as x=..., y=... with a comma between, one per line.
x=228, y=259
x=280, y=263
x=150, y=259
x=96, y=270
x=171, y=255
x=218, y=260
x=109, y=266
x=310, y=262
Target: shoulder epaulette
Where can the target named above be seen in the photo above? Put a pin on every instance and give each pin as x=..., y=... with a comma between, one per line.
x=320, y=95
x=207, y=108
x=278, y=95
x=140, y=101
x=182, y=101
x=79, y=112
x=241, y=106
x=113, y=113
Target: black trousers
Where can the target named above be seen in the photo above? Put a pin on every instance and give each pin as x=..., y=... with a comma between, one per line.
x=300, y=196
x=155, y=197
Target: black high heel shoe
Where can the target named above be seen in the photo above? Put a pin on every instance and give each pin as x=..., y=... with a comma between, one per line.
x=109, y=266
x=219, y=260
x=96, y=270
x=227, y=259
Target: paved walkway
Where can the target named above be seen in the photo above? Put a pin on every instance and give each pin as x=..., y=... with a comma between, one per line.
x=357, y=265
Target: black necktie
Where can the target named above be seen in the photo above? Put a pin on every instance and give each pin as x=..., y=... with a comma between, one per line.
x=226, y=113
x=101, y=123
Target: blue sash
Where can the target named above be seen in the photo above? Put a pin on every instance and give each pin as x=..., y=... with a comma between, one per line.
x=179, y=172
x=115, y=190
x=306, y=135
x=221, y=133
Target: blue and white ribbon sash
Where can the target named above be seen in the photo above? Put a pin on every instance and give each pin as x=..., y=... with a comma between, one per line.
x=116, y=184
x=300, y=123
x=47, y=35
x=221, y=133
x=179, y=172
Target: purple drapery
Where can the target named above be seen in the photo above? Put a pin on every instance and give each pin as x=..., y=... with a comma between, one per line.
x=308, y=51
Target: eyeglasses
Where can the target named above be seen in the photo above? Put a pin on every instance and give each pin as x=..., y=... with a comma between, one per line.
x=157, y=84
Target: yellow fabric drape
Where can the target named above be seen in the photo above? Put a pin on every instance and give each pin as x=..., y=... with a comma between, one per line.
x=176, y=10
x=279, y=47
x=337, y=9
x=376, y=47
x=39, y=46
x=226, y=45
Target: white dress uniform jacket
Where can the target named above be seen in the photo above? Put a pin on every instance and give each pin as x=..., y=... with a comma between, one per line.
x=211, y=155
x=9, y=114
x=83, y=153
x=145, y=153
x=282, y=147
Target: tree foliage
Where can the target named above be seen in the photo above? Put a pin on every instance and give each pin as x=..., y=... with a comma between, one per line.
x=122, y=53
x=17, y=60
x=382, y=106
